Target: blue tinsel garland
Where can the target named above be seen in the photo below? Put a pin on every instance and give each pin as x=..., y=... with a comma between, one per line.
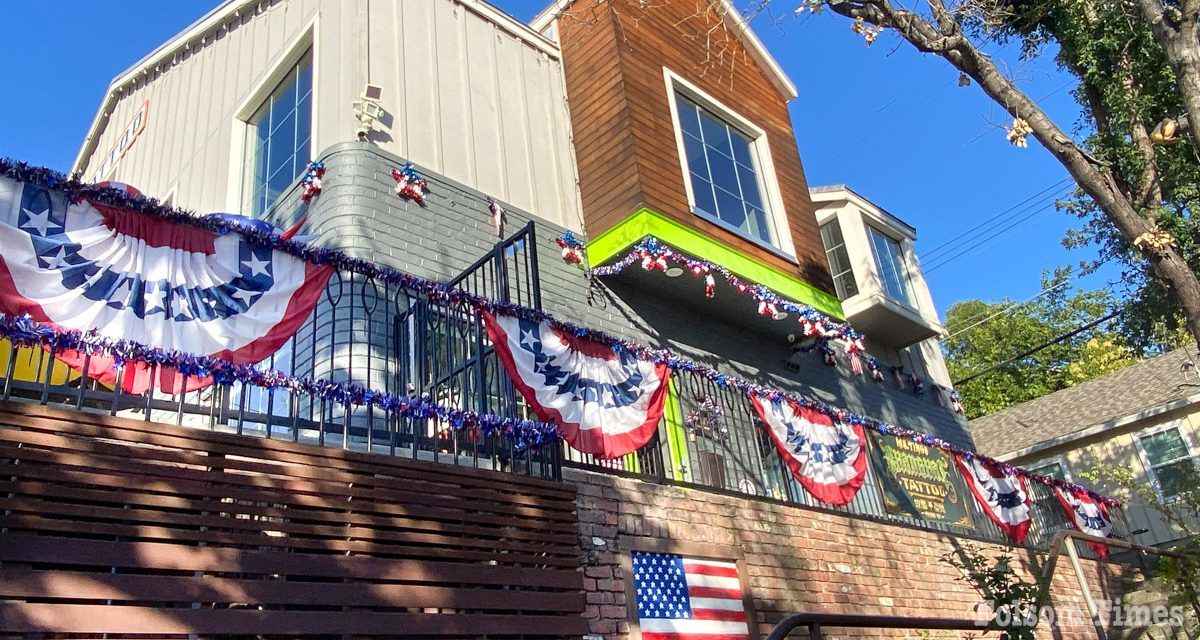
x=26, y=332
x=443, y=293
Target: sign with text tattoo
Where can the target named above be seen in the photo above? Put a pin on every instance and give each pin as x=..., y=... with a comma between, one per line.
x=919, y=481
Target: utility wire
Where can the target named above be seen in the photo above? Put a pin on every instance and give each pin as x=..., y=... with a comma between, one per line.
x=912, y=107
x=1005, y=310
x=942, y=261
x=929, y=254
x=1049, y=343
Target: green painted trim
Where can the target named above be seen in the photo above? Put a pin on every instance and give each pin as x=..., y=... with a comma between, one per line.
x=647, y=222
x=676, y=438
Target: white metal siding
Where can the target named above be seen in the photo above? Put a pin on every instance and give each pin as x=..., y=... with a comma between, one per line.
x=464, y=97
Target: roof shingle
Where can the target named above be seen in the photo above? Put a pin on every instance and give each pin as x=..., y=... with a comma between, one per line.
x=1147, y=384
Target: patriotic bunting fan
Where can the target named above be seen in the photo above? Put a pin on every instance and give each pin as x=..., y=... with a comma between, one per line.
x=604, y=403
x=125, y=274
x=829, y=460
x=1087, y=515
x=1003, y=498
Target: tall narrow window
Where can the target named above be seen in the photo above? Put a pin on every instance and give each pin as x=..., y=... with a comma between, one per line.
x=839, y=260
x=889, y=260
x=281, y=134
x=1169, y=460
x=724, y=171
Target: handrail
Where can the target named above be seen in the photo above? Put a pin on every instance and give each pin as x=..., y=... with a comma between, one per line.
x=1056, y=548
x=814, y=622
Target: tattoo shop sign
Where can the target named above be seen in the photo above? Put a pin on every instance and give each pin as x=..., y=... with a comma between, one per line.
x=919, y=481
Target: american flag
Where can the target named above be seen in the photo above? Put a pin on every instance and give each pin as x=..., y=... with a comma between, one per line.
x=682, y=598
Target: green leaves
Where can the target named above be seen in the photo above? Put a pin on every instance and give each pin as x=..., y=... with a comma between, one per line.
x=1011, y=331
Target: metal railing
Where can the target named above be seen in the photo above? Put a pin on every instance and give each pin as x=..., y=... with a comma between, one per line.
x=742, y=459
x=362, y=331
x=385, y=338
x=814, y=623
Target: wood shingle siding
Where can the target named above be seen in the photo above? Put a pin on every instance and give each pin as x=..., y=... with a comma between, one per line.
x=624, y=136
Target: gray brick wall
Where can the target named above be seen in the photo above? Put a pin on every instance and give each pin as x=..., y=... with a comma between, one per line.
x=359, y=213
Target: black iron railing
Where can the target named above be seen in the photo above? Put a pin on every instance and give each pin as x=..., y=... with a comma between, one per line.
x=362, y=331
x=385, y=338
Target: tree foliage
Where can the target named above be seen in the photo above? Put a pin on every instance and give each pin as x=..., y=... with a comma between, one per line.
x=1128, y=54
x=1126, y=88
x=975, y=345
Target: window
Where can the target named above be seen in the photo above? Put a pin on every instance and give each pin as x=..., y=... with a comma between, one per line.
x=1052, y=469
x=1168, y=457
x=281, y=131
x=839, y=260
x=889, y=259
x=723, y=167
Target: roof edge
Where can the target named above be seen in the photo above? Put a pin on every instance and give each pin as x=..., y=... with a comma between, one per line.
x=733, y=19
x=1115, y=423
x=221, y=13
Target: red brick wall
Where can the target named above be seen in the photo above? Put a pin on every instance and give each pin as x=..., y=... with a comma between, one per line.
x=795, y=559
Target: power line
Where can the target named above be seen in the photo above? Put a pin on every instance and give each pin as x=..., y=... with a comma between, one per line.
x=1005, y=309
x=929, y=254
x=942, y=261
x=1049, y=343
x=913, y=107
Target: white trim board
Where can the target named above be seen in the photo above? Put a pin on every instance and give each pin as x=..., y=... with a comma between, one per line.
x=733, y=20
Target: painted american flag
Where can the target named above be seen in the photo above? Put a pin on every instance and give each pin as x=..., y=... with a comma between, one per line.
x=682, y=598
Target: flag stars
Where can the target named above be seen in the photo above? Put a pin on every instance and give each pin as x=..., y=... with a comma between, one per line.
x=58, y=259
x=257, y=266
x=39, y=222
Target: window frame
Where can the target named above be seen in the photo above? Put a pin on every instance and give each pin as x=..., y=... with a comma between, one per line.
x=902, y=256
x=781, y=242
x=1042, y=464
x=1144, y=456
x=835, y=221
x=241, y=161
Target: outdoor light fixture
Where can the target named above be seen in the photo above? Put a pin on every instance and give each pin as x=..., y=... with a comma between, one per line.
x=367, y=110
x=674, y=272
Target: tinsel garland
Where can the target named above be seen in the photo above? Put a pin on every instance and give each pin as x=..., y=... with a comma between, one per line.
x=26, y=332
x=650, y=251
x=653, y=254
x=445, y=294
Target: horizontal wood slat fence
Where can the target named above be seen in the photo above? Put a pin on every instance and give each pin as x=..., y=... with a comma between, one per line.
x=118, y=527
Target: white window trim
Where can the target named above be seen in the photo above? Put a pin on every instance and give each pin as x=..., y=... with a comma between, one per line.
x=760, y=147
x=236, y=196
x=1145, y=457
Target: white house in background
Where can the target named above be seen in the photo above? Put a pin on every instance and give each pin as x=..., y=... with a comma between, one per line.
x=879, y=281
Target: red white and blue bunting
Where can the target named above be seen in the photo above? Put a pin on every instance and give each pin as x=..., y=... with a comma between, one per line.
x=258, y=237
x=605, y=403
x=1003, y=497
x=93, y=267
x=1088, y=515
x=828, y=459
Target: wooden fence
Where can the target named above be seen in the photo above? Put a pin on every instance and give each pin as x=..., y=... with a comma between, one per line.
x=124, y=527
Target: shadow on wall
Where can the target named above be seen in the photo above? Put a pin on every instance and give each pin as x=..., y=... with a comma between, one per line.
x=120, y=527
x=801, y=560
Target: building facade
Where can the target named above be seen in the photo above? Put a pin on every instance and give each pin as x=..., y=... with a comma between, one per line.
x=1142, y=418
x=605, y=122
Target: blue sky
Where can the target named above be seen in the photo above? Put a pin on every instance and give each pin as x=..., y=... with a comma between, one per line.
x=887, y=121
